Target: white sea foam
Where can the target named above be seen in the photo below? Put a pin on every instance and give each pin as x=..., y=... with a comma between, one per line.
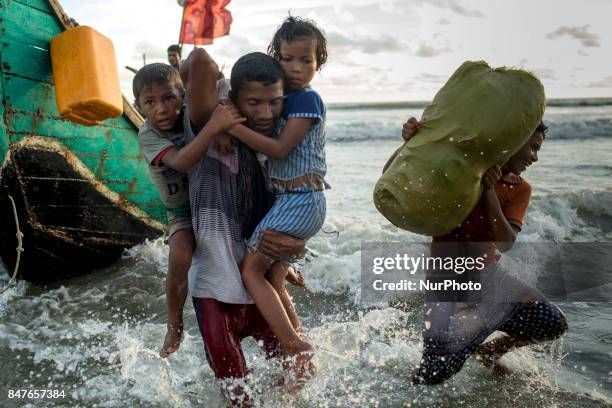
x=568, y=217
x=151, y=251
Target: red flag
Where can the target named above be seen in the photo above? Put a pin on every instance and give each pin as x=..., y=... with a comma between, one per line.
x=204, y=20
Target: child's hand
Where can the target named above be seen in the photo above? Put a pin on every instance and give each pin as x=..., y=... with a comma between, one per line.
x=410, y=128
x=224, y=117
x=224, y=143
x=491, y=177
x=227, y=102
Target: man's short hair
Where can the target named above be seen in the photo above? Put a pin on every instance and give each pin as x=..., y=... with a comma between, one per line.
x=255, y=67
x=174, y=48
x=156, y=73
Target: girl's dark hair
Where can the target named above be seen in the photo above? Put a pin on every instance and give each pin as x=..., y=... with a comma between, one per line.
x=294, y=28
x=156, y=73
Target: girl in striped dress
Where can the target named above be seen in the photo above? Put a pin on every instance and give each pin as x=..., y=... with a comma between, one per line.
x=296, y=168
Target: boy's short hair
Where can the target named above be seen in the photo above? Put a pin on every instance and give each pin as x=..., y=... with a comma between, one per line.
x=254, y=67
x=156, y=73
x=296, y=27
x=174, y=48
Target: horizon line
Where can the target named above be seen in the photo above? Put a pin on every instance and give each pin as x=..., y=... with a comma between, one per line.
x=564, y=101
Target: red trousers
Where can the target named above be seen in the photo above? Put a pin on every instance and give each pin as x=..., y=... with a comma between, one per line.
x=223, y=326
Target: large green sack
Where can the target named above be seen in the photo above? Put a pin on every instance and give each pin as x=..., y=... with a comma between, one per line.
x=479, y=118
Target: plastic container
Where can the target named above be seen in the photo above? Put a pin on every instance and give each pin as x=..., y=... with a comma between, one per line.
x=87, y=87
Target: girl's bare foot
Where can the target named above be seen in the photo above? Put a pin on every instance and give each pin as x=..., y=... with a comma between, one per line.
x=172, y=341
x=299, y=366
x=295, y=277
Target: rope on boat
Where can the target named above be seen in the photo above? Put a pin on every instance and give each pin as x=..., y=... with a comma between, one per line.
x=19, y=248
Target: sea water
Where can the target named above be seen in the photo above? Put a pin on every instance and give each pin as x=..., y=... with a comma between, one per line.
x=97, y=336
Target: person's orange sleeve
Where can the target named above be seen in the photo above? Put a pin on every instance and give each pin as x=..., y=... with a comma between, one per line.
x=516, y=207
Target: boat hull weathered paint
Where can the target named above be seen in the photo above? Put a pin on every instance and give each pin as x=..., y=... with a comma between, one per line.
x=83, y=194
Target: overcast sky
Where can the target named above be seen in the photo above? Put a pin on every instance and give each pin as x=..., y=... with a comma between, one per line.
x=388, y=50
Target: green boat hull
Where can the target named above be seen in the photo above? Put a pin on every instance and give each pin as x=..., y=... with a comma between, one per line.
x=82, y=194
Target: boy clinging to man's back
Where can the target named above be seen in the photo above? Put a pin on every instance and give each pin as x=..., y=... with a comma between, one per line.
x=159, y=94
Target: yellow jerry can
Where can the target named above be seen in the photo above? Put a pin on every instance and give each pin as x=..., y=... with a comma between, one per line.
x=85, y=73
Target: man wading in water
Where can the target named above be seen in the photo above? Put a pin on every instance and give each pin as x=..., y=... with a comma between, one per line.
x=228, y=198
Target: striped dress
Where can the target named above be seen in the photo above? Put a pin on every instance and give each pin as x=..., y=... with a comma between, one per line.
x=300, y=211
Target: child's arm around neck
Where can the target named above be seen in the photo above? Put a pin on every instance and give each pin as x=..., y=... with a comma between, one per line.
x=293, y=132
x=222, y=118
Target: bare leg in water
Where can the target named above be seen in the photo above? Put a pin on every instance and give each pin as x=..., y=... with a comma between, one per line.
x=537, y=322
x=490, y=352
x=254, y=267
x=276, y=275
x=179, y=261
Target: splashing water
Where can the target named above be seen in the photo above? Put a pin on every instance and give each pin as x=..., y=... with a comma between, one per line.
x=98, y=336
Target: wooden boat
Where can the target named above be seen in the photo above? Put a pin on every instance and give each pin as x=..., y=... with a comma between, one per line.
x=82, y=194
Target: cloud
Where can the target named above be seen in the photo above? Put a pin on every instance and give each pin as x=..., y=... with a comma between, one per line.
x=545, y=73
x=342, y=81
x=603, y=83
x=367, y=45
x=235, y=46
x=455, y=6
x=346, y=17
x=443, y=21
x=578, y=33
x=153, y=51
x=391, y=7
x=362, y=80
x=427, y=50
x=353, y=64
x=430, y=78
x=406, y=87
